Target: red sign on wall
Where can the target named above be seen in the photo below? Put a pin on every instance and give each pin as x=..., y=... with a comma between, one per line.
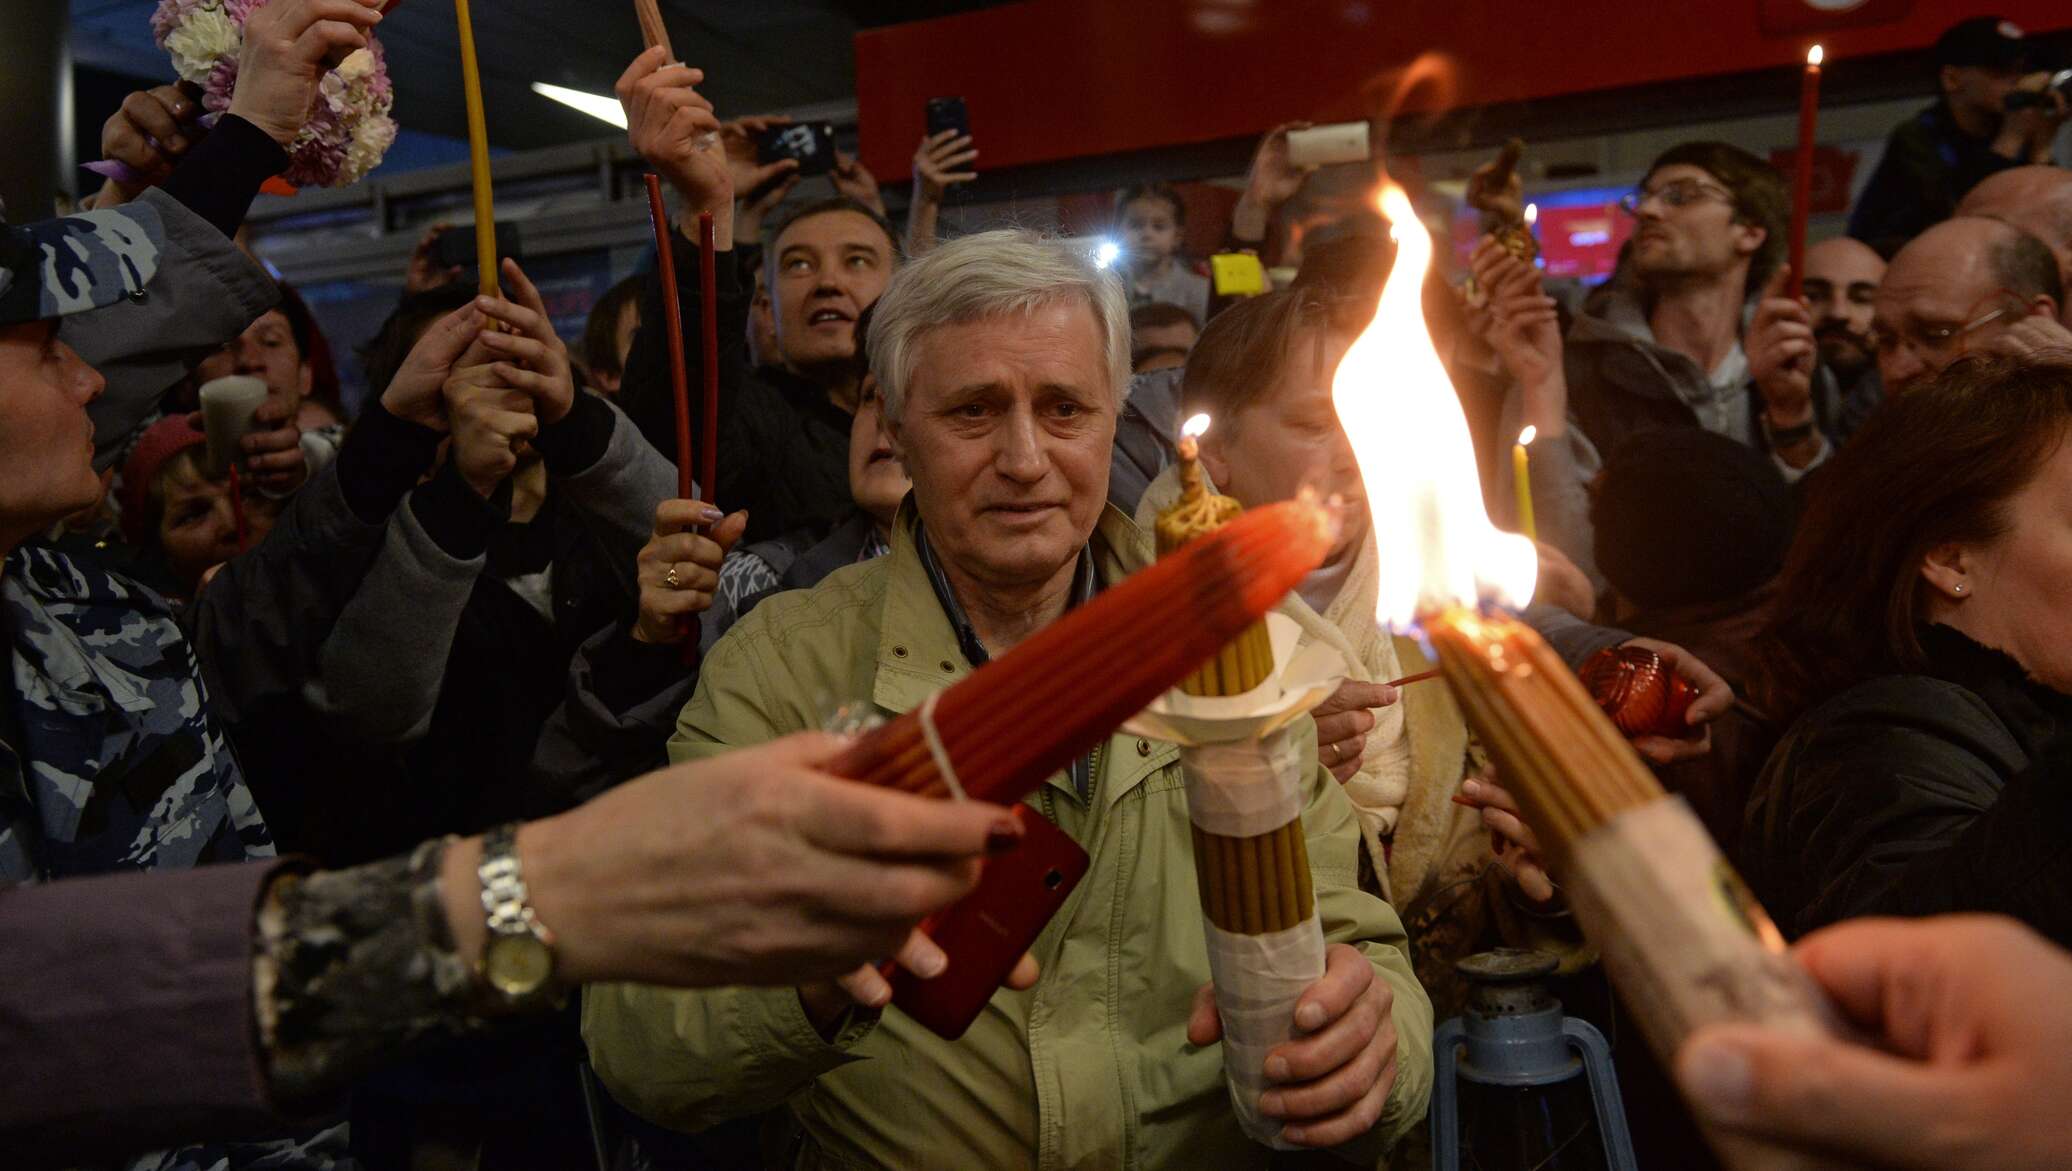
x=1833, y=170
x=1785, y=17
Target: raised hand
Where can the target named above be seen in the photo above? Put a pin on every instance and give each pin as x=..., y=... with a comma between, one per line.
x=531, y=357
x=678, y=569
x=424, y=272
x=415, y=394
x=489, y=421
x=288, y=45
x=1782, y=354
x=673, y=127
x=273, y=449
x=759, y=186
x=1272, y=181
x=853, y=179
x=1524, y=328
x=152, y=130
x=939, y=164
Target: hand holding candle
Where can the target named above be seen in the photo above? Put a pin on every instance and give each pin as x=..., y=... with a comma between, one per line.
x=673, y=127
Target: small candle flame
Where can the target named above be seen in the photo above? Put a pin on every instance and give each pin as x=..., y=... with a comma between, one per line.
x=1526, y=436
x=1532, y=214
x=1408, y=432
x=1815, y=55
x=1195, y=427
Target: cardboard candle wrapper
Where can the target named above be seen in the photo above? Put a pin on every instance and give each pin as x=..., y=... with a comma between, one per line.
x=1301, y=681
x=1247, y=792
x=226, y=412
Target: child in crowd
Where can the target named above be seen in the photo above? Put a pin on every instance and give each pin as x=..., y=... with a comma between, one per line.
x=1150, y=218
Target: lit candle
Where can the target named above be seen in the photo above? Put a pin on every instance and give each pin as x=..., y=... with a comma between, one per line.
x=478, y=152
x=1802, y=171
x=1246, y=662
x=1521, y=482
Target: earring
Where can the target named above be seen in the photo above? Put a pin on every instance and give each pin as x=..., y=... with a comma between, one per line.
x=1958, y=589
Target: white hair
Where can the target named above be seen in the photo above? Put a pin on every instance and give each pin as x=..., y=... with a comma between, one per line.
x=990, y=274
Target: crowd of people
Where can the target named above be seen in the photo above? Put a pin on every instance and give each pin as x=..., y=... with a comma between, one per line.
x=438, y=784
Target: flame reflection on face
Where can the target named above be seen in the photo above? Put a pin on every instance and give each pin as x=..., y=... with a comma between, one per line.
x=1407, y=429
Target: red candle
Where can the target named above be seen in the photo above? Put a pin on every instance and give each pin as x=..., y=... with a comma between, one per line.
x=708, y=319
x=237, y=509
x=672, y=328
x=1802, y=177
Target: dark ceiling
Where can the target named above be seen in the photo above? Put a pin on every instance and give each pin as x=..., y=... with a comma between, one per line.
x=759, y=55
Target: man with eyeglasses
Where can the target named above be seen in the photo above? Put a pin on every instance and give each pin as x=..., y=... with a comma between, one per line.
x=1963, y=286
x=1660, y=346
x=1934, y=158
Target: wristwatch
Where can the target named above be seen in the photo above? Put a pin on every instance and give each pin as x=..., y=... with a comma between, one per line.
x=517, y=960
x=1783, y=437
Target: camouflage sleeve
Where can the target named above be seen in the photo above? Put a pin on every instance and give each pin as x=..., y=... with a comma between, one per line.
x=352, y=967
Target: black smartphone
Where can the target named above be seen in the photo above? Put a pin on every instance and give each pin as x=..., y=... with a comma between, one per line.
x=948, y=114
x=987, y=931
x=811, y=143
x=455, y=247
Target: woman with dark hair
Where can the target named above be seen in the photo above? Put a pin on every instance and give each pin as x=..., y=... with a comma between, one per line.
x=1923, y=645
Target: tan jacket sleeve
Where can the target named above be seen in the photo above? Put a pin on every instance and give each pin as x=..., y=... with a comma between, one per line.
x=1351, y=915
x=689, y=1060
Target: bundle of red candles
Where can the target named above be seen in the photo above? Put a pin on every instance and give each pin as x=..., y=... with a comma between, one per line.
x=1027, y=714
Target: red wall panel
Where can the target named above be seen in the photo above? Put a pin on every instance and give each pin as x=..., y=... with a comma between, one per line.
x=1057, y=79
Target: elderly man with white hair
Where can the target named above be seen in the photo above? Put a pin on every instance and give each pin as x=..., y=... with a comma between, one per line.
x=1003, y=360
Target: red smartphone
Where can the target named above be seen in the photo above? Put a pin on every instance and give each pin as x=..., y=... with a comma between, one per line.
x=987, y=931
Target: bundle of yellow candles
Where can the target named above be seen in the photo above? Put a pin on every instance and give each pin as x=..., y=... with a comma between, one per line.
x=1247, y=661
x=1253, y=886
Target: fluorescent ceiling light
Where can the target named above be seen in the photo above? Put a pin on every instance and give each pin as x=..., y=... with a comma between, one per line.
x=597, y=106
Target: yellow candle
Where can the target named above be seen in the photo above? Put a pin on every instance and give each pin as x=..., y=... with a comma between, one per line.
x=478, y=152
x=1521, y=482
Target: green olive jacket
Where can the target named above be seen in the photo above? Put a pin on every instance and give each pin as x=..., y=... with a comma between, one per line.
x=1091, y=1067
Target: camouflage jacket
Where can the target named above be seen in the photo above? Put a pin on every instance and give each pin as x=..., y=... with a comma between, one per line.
x=113, y=762
x=110, y=762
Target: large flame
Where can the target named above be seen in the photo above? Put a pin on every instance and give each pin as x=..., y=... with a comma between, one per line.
x=1411, y=439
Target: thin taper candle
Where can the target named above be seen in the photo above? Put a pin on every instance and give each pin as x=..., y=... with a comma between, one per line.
x=1521, y=482
x=708, y=320
x=1802, y=166
x=672, y=330
x=478, y=152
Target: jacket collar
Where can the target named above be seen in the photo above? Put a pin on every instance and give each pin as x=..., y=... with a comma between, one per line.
x=2032, y=712
x=919, y=652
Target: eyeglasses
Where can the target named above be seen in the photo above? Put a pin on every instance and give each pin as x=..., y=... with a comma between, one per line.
x=1934, y=344
x=1678, y=193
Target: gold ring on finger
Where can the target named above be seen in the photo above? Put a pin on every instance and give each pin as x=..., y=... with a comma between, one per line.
x=670, y=579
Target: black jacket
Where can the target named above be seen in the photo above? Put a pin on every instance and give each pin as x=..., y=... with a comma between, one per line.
x=1928, y=166
x=260, y=630
x=783, y=447
x=1919, y=795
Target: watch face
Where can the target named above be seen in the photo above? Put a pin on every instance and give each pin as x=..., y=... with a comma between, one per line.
x=517, y=965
